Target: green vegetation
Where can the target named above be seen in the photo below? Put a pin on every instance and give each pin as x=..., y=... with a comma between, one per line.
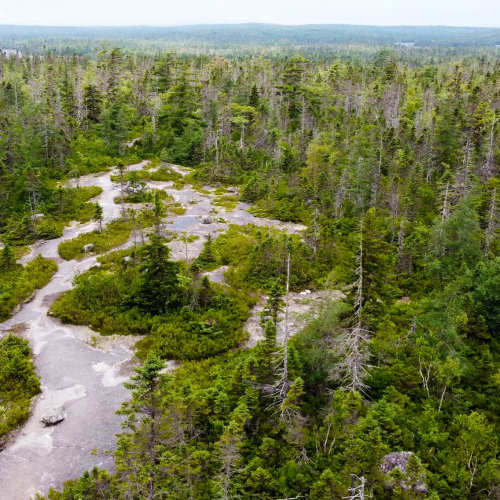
x=243, y=39
x=389, y=158
x=162, y=174
x=61, y=206
x=257, y=257
x=116, y=233
x=176, y=208
x=18, y=283
x=228, y=202
x=187, y=317
x=18, y=383
x=143, y=196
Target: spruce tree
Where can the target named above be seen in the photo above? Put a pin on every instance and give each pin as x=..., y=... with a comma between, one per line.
x=98, y=215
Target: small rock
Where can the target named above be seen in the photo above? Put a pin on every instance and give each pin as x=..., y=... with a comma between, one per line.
x=50, y=313
x=206, y=219
x=403, y=300
x=53, y=415
x=232, y=190
x=36, y=217
x=127, y=259
x=303, y=293
x=308, y=292
x=88, y=248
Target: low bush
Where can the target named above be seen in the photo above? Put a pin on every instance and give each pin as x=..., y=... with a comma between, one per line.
x=17, y=282
x=258, y=256
x=62, y=206
x=145, y=196
x=18, y=383
x=22, y=230
x=147, y=294
x=116, y=233
x=205, y=333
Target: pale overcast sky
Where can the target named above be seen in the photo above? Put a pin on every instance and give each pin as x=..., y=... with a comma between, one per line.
x=179, y=12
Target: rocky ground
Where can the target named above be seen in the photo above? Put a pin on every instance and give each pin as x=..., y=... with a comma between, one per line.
x=85, y=372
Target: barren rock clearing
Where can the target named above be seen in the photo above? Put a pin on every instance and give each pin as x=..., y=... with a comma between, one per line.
x=84, y=371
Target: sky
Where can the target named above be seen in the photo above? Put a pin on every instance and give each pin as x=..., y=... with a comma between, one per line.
x=181, y=12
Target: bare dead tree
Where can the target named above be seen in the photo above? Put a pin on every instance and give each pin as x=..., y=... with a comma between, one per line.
x=445, y=211
x=228, y=453
x=279, y=390
x=352, y=343
x=80, y=111
x=404, y=260
x=357, y=492
x=489, y=234
x=154, y=110
x=462, y=185
x=490, y=157
x=340, y=194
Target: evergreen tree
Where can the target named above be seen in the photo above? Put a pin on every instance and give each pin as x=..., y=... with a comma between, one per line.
x=254, y=99
x=98, y=215
x=159, y=289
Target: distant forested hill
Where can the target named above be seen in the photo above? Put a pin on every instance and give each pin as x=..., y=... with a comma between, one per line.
x=33, y=38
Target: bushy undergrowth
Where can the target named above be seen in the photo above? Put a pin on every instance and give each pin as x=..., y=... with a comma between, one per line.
x=187, y=318
x=18, y=383
x=18, y=282
x=115, y=234
x=144, y=197
x=23, y=230
x=162, y=174
x=210, y=330
x=63, y=206
x=258, y=256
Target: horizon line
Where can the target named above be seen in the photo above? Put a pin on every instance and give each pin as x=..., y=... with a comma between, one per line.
x=246, y=24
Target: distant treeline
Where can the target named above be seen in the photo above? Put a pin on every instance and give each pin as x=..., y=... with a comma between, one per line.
x=250, y=37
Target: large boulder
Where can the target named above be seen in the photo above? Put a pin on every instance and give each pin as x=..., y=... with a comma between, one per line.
x=206, y=219
x=53, y=415
x=88, y=248
x=410, y=481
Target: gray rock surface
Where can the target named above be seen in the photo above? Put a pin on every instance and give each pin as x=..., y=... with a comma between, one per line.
x=88, y=248
x=53, y=415
x=399, y=459
x=83, y=371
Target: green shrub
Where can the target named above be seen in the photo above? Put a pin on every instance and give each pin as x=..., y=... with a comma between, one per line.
x=72, y=203
x=143, y=197
x=117, y=233
x=228, y=201
x=18, y=282
x=23, y=230
x=203, y=333
x=144, y=295
x=18, y=383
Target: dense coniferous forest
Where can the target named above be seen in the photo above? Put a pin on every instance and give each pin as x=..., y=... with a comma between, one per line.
x=389, y=161
x=251, y=38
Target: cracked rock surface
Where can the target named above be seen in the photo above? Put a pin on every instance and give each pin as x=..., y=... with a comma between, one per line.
x=81, y=370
